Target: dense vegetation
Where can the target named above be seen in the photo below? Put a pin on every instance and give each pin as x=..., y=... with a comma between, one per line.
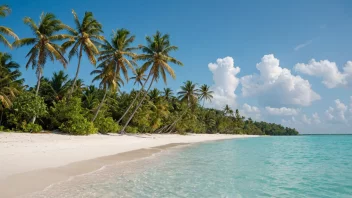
x=60, y=103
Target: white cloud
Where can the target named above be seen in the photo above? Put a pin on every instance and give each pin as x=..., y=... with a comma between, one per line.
x=300, y=46
x=225, y=82
x=337, y=114
x=283, y=111
x=328, y=71
x=251, y=111
x=276, y=86
x=316, y=118
x=302, y=120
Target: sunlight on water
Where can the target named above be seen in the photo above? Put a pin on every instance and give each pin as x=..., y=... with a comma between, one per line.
x=302, y=166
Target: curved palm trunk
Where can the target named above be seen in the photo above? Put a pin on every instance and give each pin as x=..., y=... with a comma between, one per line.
x=176, y=121
x=134, y=100
x=77, y=71
x=139, y=104
x=100, y=105
x=37, y=90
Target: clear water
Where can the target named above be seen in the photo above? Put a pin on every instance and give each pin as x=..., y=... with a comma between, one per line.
x=302, y=166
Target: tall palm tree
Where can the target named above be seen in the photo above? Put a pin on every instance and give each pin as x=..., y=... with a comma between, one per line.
x=167, y=93
x=4, y=11
x=84, y=39
x=205, y=93
x=109, y=81
x=156, y=57
x=189, y=94
x=43, y=44
x=119, y=54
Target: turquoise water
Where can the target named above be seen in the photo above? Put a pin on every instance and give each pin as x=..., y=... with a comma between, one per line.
x=302, y=166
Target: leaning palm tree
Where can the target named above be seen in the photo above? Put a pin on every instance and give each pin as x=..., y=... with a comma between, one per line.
x=4, y=11
x=119, y=54
x=167, y=93
x=43, y=44
x=109, y=81
x=84, y=39
x=188, y=94
x=156, y=57
x=205, y=93
x=139, y=78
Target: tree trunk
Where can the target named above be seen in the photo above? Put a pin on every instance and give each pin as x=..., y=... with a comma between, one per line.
x=2, y=113
x=139, y=104
x=177, y=120
x=100, y=105
x=134, y=100
x=77, y=71
x=203, y=103
x=37, y=90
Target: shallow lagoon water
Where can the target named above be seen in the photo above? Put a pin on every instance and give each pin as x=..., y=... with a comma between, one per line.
x=300, y=166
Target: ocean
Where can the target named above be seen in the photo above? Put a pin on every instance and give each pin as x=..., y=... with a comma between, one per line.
x=299, y=166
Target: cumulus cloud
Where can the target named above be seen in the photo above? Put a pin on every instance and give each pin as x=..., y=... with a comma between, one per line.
x=328, y=71
x=283, y=111
x=302, y=120
x=251, y=111
x=337, y=114
x=300, y=46
x=225, y=82
x=276, y=86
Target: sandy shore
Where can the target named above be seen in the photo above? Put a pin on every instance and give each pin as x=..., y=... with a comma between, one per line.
x=31, y=162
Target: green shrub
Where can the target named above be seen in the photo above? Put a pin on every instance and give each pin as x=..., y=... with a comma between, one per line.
x=30, y=127
x=2, y=128
x=78, y=126
x=106, y=125
x=24, y=108
x=130, y=129
x=70, y=117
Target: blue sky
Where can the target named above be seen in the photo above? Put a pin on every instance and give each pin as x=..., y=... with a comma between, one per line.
x=293, y=31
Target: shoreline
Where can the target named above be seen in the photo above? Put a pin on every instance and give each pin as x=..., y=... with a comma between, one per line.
x=32, y=162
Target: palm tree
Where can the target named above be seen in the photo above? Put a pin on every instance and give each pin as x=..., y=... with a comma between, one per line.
x=189, y=94
x=10, y=84
x=139, y=77
x=84, y=39
x=118, y=53
x=156, y=57
x=109, y=81
x=43, y=46
x=60, y=84
x=227, y=110
x=4, y=11
x=167, y=93
x=205, y=93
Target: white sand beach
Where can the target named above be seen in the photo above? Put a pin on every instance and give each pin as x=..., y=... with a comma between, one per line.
x=22, y=153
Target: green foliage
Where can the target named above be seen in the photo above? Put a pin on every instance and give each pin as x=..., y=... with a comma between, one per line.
x=30, y=127
x=78, y=126
x=24, y=108
x=130, y=129
x=70, y=117
x=106, y=125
